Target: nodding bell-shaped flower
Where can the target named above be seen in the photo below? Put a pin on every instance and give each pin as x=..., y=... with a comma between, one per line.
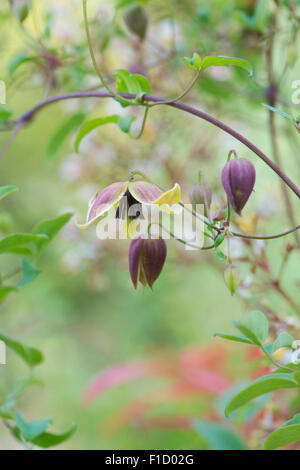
x=238, y=179
x=146, y=260
x=138, y=193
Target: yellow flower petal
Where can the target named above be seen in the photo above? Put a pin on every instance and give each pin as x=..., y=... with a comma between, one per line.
x=279, y=354
x=168, y=201
x=170, y=197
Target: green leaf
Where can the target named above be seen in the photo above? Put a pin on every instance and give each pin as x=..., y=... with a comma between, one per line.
x=194, y=62
x=62, y=133
x=286, y=434
x=218, y=437
x=32, y=356
x=132, y=83
x=124, y=83
x=89, y=126
x=50, y=229
x=30, y=272
x=4, y=292
x=284, y=340
x=260, y=19
x=125, y=3
x=296, y=376
x=219, y=240
x=238, y=339
x=294, y=420
x=33, y=429
x=221, y=255
x=46, y=439
x=5, y=114
x=19, y=60
x=6, y=415
x=21, y=9
x=6, y=190
x=20, y=250
x=124, y=123
x=12, y=241
x=224, y=61
x=278, y=111
x=261, y=386
x=254, y=326
x=142, y=84
x=19, y=387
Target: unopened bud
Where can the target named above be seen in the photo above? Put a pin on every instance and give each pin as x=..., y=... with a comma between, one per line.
x=232, y=278
x=21, y=9
x=200, y=193
x=136, y=20
x=219, y=215
x=146, y=260
x=238, y=179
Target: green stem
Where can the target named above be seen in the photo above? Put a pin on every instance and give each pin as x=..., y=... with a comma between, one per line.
x=136, y=137
x=89, y=40
x=269, y=237
x=232, y=152
x=228, y=212
x=179, y=239
x=182, y=95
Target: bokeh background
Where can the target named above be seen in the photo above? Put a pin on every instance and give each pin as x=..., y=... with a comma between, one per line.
x=82, y=311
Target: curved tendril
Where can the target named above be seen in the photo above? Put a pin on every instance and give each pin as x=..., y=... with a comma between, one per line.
x=182, y=95
x=136, y=137
x=268, y=237
x=97, y=70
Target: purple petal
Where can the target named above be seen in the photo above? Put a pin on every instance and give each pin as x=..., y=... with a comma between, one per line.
x=154, y=255
x=144, y=192
x=134, y=258
x=105, y=200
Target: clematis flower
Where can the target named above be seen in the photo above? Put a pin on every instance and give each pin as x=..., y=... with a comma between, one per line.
x=137, y=193
x=146, y=260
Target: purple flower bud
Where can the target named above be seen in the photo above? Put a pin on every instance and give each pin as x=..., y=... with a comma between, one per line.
x=238, y=179
x=146, y=260
x=200, y=192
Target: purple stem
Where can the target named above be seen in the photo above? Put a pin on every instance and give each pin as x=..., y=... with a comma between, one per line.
x=26, y=117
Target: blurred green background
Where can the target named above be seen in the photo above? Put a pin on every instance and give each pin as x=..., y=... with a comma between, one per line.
x=82, y=311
